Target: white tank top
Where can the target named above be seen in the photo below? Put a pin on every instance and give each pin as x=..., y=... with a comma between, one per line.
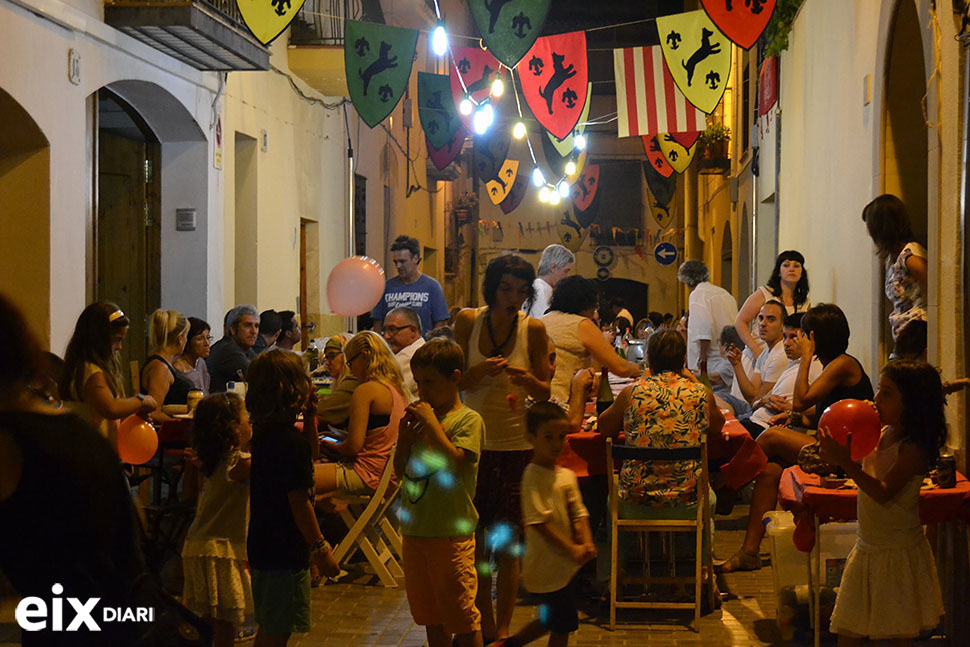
x=571, y=355
x=504, y=416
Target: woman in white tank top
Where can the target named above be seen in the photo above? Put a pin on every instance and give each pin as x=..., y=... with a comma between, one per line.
x=506, y=360
x=788, y=284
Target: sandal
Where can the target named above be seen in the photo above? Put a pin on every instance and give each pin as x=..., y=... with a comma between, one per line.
x=739, y=561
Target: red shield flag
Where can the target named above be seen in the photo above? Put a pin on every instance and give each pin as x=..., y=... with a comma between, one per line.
x=477, y=69
x=656, y=157
x=442, y=157
x=584, y=190
x=742, y=22
x=554, y=80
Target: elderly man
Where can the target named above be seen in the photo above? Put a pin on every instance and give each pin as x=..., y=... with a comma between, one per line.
x=411, y=288
x=710, y=308
x=230, y=356
x=555, y=264
x=402, y=331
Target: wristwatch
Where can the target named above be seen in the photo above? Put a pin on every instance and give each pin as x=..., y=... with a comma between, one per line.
x=141, y=397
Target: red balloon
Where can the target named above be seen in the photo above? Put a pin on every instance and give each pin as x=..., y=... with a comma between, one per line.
x=354, y=286
x=858, y=417
x=137, y=440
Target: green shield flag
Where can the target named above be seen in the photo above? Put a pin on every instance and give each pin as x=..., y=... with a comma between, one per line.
x=509, y=27
x=436, y=110
x=377, y=61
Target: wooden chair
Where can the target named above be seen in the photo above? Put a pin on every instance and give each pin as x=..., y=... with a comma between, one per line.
x=370, y=531
x=699, y=526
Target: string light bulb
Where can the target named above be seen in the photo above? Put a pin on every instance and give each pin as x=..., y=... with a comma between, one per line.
x=518, y=130
x=579, y=141
x=439, y=40
x=538, y=178
x=570, y=167
x=545, y=194
x=554, y=197
x=498, y=87
x=564, y=188
x=483, y=119
x=466, y=106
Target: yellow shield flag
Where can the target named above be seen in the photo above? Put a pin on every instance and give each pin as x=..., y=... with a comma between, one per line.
x=698, y=56
x=268, y=18
x=678, y=150
x=499, y=188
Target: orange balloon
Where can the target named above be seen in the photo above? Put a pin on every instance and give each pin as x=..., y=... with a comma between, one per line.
x=354, y=286
x=858, y=417
x=137, y=440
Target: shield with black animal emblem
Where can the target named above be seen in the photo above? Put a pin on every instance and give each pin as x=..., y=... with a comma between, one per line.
x=472, y=71
x=377, y=61
x=491, y=149
x=742, y=22
x=436, y=109
x=565, y=146
x=267, y=19
x=555, y=80
x=655, y=156
x=509, y=27
x=499, y=188
x=584, y=189
x=678, y=149
x=698, y=55
x=557, y=163
x=442, y=157
x=661, y=194
x=519, y=188
x=571, y=233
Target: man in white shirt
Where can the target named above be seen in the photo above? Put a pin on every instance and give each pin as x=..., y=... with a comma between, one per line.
x=771, y=363
x=710, y=308
x=555, y=264
x=402, y=331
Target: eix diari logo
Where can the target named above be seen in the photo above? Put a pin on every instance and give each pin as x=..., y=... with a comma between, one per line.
x=34, y=613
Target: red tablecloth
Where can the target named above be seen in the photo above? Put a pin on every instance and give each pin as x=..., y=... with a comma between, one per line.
x=802, y=494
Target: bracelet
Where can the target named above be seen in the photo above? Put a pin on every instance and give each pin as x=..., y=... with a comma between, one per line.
x=321, y=544
x=141, y=397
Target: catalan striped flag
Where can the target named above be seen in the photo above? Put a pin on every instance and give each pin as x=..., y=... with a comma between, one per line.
x=648, y=101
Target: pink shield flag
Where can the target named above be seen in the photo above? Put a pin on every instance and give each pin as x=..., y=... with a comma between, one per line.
x=442, y=157
x=648, y=101
x=472, y=71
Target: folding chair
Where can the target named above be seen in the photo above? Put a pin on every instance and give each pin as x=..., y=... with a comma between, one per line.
x=700, y=525
x=370, y=531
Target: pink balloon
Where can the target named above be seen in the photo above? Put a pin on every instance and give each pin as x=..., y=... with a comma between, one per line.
x=137, y=440
x=354, y=286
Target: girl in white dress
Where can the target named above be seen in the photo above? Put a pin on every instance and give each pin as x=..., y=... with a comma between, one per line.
x=890, y=589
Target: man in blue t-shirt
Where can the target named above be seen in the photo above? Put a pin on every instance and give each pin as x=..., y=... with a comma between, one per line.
x=411, y=288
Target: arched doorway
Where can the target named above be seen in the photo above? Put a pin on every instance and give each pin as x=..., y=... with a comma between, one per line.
x=744, y=254
x=727, y=257
x=25, y=214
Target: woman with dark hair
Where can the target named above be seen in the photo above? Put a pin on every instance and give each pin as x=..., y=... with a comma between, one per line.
x=191, y=363
x=578, y=339
x=887, y=221
x=92, y=376
x=824, y=334
x=506, y=359
x=788, y=284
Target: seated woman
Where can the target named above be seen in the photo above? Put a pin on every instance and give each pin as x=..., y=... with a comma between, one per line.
x=334, y=408
x=168, y=331
x=376, y=408
x=667, y=409
x=825, y=334
x=578, y=339
x=191, y=363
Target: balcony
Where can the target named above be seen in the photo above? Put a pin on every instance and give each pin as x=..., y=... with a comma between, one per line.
x=204, y=35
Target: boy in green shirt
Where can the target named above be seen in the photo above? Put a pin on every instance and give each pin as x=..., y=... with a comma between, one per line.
x=439, y=443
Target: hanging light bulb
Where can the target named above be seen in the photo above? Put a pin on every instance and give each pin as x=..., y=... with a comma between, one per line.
x=570, y=167
x=544, y=193
x=518, y=130
x=439, y=40
x=538, y=178
x=489, y=113
x=466, y=106
x=483, y=118
x=498, y=87
x=554, y=197
x=579, y=141
x=563, y=188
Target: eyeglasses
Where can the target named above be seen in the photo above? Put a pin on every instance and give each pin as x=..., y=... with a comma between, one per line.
x=393, y=330
x=332, y=355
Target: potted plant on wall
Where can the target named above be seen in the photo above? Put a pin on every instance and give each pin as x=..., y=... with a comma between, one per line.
x=714, y=142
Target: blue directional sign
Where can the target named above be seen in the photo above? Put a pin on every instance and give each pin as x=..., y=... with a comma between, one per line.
x=665, y=253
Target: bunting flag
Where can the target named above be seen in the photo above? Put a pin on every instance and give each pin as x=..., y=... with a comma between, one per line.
x=661, y=190
x=442, y=157
x=554, y=81
x=491, y=150
x=498, y=189
x=742, y=22
x=698, y=56
x=436, y=110
x=656, y=157
x=377, y=60
x=565, y=146
x=677, y=150
x=584, y=190
x=519, y=188
x=509, y=27
x=648, y=101
x=472, y=71
x=267, y=19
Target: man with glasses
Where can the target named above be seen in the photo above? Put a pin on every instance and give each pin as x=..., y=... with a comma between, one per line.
x=411, y=288
x=402, y=331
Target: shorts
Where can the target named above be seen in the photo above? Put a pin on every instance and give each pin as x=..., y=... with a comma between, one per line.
x=282, y=600
x=557, y=610
x=753, y=428
x=349, y=481
x=441, y=582
x=499, y=488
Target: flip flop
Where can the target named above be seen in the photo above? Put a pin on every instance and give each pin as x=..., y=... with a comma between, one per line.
x=739, y=561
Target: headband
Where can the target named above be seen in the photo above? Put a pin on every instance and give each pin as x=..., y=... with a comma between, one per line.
x=117, y=314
